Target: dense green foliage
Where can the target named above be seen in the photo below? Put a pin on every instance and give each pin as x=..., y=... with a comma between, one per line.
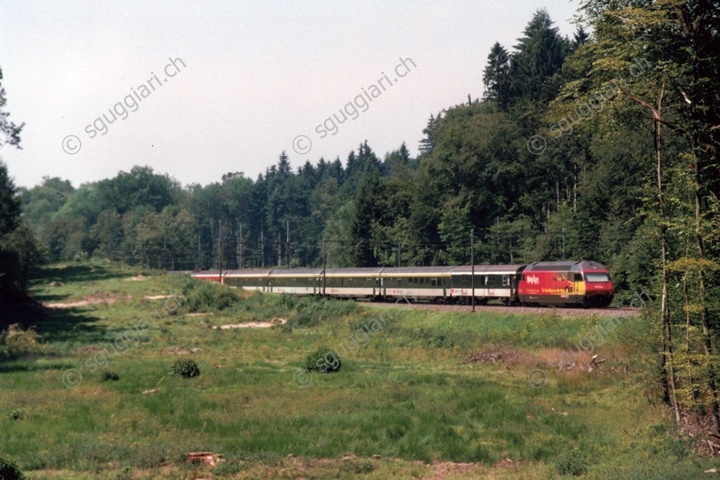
x=185, y=368
x=206, y=296
x=9, y=471
x=322, y=360
x=18, y=249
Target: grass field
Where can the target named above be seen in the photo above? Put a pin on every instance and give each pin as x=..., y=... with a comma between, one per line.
x=405, y=403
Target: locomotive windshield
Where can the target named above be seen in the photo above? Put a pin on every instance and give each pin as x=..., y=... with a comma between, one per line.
x=597, y=277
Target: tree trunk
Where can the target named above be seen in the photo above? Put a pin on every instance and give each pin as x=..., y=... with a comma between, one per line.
x=666, y=361
x=707, y=339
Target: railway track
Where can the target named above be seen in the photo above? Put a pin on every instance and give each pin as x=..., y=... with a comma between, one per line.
x=564, y=312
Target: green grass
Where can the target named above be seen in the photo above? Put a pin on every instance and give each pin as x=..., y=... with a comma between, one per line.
x=403, y=391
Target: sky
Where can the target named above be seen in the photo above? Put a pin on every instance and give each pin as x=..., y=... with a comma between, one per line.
x=200, y=89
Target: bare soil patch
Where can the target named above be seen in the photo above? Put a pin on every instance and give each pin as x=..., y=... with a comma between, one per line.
x=271, y=323
x=445, y=470
x=137, y=278
x=501, y=355
x=95, y=298
x=567, y=362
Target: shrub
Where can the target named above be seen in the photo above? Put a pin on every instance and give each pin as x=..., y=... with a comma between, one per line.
x=17, y=414
x=20, y=342
x=323, y=360
x=204, y=296
x=571, y=463
x=8, y=471
x=108, y=375
x=185, y=367
x=441, y=340
x=284, y=328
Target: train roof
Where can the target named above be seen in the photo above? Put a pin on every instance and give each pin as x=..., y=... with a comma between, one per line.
x=580, y=265
x=296, y=272
x=247, y=272
x=389, y=272
x=205, y=273
x=417, y=271
x=353, y=272
x=488, y=269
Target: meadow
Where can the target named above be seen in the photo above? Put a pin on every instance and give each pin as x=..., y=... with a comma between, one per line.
x=420, y=394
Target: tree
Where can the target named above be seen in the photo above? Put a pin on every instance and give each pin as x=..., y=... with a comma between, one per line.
x=674, y=46
x=580, y=37
x=454, y=230
x=40, y=203
x=18, y=250
x=496, y=77
x=9, y=130
x=366, y=213
x=536, y=61
x=428, y=143
x=9, y=202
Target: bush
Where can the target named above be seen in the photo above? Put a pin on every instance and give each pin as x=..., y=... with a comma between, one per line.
x=571, y=463
x=204, y=296
x=323, y=360
x=8, y=471
x=108, y=375
x=20, y=342
x=17, y=414
x=185, y=367
x=283, y=328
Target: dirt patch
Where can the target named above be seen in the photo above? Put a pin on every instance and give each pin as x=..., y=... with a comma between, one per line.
x=271, y=323
x=95, y=298
x=138, y=278
x=444, y=470
x=181, y=351
x=502, y=355
x=157, y=297
x=89, y=349
x=209, y=459
x=506, y=463
x=568, y=362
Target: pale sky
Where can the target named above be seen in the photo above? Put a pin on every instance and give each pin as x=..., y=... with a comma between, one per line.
x=256, y=75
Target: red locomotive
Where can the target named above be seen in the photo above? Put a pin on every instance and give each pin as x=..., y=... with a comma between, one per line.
x=565, y=283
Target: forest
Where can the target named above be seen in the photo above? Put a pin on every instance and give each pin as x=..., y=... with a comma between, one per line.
x=603, y=146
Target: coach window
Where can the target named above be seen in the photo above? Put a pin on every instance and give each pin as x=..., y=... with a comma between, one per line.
x=505, y=282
